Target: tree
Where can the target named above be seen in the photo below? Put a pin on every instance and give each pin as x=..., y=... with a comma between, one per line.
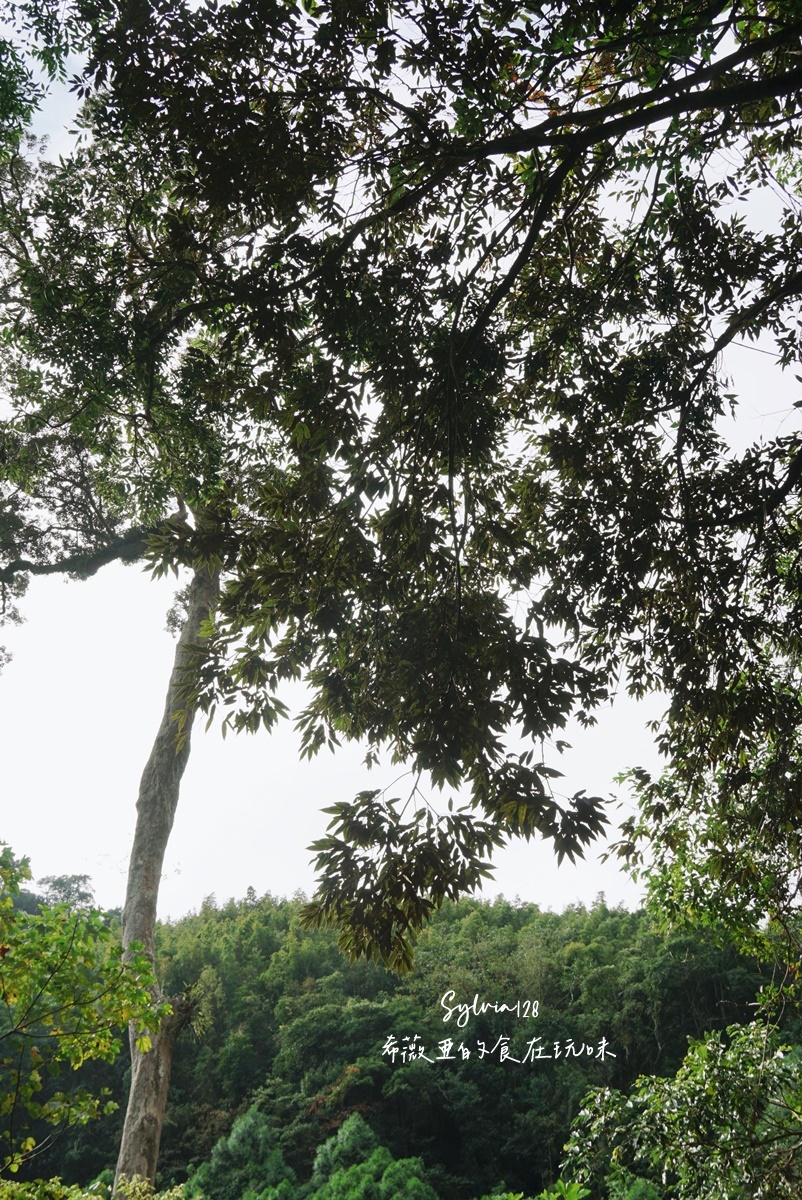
x=491, y=296
x=389, y=242
x=73, y=890
x=247, y=1161
x=290, y=1024
x=726, y=1126
x=93, y=461
x=65, y=992
x=353, y=1166
x=156, y=805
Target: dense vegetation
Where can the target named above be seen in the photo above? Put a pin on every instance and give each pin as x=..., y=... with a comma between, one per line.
x=285, y=1023
x=406, y=331
x=65, y=992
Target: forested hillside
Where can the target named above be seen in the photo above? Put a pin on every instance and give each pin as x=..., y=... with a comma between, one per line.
x=283, y=1021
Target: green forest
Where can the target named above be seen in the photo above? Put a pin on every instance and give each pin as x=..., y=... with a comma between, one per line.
x=304, y=1077
x=447, y=353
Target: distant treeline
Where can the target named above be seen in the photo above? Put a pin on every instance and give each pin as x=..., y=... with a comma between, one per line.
x=285, y=1022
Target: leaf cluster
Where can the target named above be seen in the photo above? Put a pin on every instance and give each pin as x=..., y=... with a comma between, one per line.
x=65, y=993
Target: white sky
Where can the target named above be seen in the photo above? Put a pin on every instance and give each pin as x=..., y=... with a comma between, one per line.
x=81, y=701
x=82, y=698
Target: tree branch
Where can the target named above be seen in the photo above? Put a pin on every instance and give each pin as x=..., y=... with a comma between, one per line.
x=553, y=132
x=760, y=511
x=127, y=548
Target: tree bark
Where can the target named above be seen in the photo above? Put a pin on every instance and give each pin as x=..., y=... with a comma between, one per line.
x=158, y=798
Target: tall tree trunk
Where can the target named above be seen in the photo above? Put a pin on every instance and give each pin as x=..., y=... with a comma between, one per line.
x=158, y=798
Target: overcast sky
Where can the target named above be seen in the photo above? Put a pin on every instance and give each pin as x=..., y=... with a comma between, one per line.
x=81, y=700
x=79, y=706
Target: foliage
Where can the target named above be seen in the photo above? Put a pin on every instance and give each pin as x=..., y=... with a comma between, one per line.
x=417, y=323
x=311, y=1029
x=349, y=1166
x=54, y=1189
x=282, y=1019
x=140, y=1189
x=248, y=1160
x=73, y=890
x=352, y=1166
x=353, y=1143
x=728, y=1124
x=713, y=864
x=45, y=1189
x=626, y=1186
x=37, y=37
x=544, y=366
x=474, y=289
x=568, y=1191
x=65, y=992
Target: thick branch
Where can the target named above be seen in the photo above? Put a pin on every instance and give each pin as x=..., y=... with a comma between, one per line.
x=563, y=129
x=128, y=548
x=581, y=130
x=545, y=205
x=772, y=502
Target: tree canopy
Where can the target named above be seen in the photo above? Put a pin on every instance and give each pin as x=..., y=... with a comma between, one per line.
x=424, y=312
